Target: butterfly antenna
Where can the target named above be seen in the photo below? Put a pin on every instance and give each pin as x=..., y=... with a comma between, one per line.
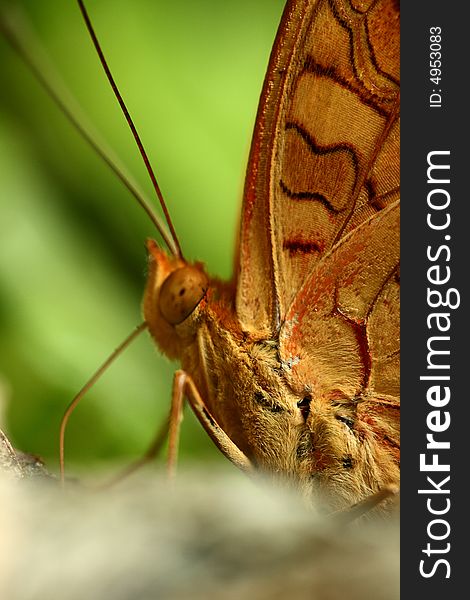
x=90, y=383
x=130, y=122
x=22, y=40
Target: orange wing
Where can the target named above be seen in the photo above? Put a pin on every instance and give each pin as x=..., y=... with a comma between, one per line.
x=325, y=154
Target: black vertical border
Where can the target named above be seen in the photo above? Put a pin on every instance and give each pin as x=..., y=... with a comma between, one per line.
x=425, y=129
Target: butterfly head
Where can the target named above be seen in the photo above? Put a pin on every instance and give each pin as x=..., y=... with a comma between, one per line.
x=174, y=292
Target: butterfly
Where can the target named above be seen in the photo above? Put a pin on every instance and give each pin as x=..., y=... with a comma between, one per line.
x=292, y=367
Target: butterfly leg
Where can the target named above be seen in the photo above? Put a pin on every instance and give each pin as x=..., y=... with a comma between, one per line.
x=185, y=388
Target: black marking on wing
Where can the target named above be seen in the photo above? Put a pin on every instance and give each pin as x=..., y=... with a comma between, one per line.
x=318, y=150
x=351, y=46
x=299, y=246
x=309, y=196
x=312, y=66
x=374, y=58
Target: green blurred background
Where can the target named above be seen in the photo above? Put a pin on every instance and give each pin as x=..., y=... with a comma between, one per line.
x=72, y=259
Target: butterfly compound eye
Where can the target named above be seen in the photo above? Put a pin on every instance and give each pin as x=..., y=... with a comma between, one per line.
x=181, y=292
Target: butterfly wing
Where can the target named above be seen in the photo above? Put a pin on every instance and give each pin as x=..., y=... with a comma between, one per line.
x=341, y=334
x=319, y=246
x=325, y=153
